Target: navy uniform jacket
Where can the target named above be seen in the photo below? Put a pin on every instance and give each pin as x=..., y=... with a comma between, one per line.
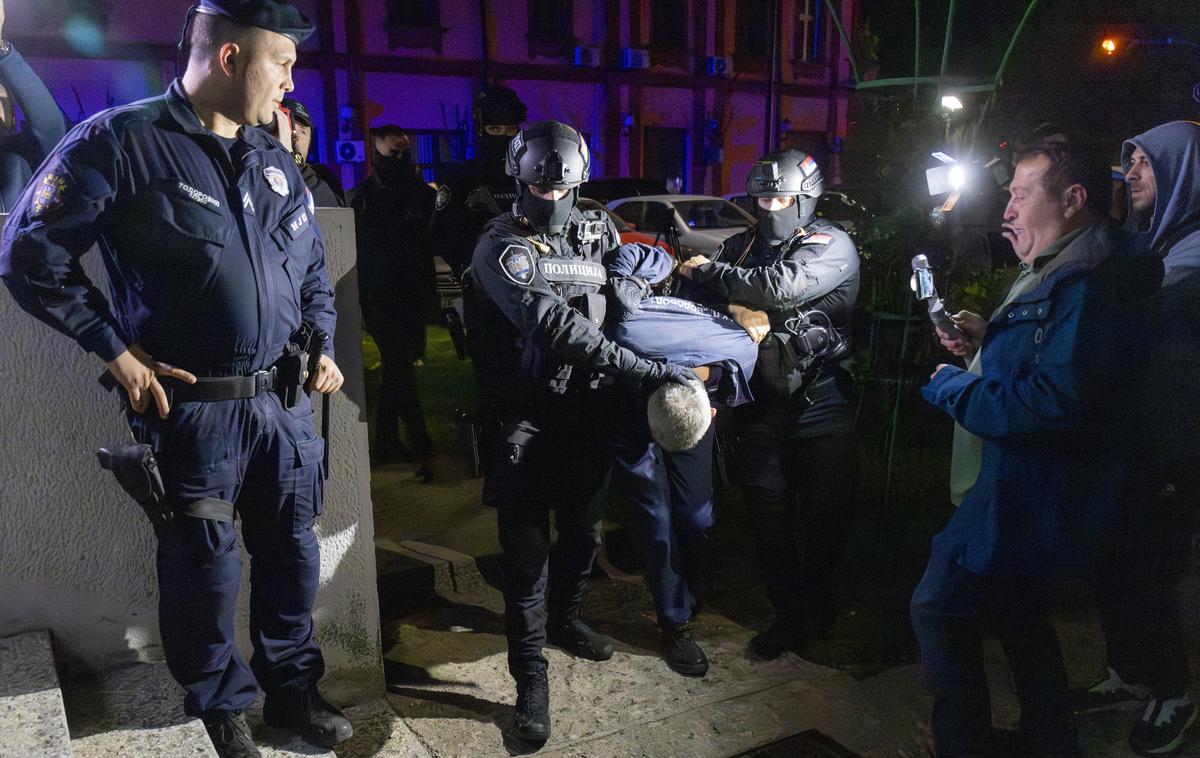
x=817, y=271
x=44, y=127
x=213, y=254
x=534, y=290
x=472, y=194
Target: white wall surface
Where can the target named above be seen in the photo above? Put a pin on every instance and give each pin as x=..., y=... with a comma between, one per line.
x=77, y=556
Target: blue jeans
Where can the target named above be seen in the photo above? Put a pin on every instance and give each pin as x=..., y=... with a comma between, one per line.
x=951, y=610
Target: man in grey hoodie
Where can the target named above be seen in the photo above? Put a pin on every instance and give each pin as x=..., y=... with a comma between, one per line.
x=1136, y=593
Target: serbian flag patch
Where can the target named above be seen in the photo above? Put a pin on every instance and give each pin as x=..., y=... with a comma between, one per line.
x=808, y=165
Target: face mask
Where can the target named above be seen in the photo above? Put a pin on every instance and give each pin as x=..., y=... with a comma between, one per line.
x=547, y=216
x=777, y=226
x=392, y=169
x=492, y=149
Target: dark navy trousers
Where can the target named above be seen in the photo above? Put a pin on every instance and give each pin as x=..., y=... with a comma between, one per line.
x=562, y=469
x=673, y=497
x=266, y=460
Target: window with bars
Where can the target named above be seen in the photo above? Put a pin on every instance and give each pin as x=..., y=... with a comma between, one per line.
x=808, y=31
x=550, y=19
x=668, y=24
x=412, y=13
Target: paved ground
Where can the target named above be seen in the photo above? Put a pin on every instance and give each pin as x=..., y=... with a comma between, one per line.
x=454, y=694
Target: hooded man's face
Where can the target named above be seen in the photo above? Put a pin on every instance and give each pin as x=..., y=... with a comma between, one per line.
x=1140, y=178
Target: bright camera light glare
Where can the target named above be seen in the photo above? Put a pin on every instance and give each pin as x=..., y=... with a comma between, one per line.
x=957, y=177
x=951, y=103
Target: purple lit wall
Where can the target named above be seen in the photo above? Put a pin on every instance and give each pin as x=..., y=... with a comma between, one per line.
x=423, y=77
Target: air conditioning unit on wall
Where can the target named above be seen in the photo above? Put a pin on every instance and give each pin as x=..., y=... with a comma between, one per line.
x=586, y=57
x=632, y=57
x=718, y=65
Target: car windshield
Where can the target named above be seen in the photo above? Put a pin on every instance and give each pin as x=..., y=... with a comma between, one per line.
x=712, y=214
x=587, y=204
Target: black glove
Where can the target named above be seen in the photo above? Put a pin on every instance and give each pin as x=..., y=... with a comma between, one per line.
x=661, y=373
x=628, y=292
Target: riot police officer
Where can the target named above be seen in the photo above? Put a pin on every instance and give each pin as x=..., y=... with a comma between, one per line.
x=215, y=262
x=537, y=274
x=475, y=191
x=798, y=459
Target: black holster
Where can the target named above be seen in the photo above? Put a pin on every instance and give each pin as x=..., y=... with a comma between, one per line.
x=137, y=472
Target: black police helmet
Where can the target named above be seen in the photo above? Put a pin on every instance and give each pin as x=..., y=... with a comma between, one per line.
x=497, y=105
x=548, y=154
x=785, y=173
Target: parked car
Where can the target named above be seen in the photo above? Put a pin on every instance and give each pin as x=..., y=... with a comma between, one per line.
x=701, y=223
x=606, y=190
x=624, y=230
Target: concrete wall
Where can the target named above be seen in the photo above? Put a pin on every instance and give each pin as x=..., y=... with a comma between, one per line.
x=77, y=556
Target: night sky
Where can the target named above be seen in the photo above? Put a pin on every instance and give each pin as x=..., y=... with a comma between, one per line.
x=1056, y=72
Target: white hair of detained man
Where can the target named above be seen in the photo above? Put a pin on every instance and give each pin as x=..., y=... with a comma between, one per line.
x=679, y=415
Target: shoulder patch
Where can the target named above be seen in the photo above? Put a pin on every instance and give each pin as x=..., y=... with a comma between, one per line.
x=49, y=194
x=819, y=238
x=517, y=263
x=276, y=180
x=443, y=197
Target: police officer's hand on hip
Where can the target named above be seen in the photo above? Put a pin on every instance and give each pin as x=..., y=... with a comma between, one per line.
x=138, y=373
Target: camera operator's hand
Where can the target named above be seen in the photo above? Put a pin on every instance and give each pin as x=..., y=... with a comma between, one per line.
x=756, y=323
x=973, y=326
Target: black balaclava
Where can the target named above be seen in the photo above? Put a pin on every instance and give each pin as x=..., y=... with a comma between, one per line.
x=392, y=169
x=492, y=149
x=546, y=216
x=777, y=226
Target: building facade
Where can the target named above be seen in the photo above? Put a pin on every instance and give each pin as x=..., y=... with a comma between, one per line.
x=676, y=90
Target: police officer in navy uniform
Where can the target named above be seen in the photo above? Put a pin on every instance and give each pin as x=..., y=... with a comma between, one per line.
x=537, y=273
x=215, y=261
x=473, y=192
x=798, y=461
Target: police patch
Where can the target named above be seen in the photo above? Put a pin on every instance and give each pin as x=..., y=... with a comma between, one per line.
x=442, y=199
x=277, y=180
x=818, y=238
x=48, y=195
x=517, y=264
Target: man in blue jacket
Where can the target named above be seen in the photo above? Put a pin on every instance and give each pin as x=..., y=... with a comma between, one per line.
x=215, y=263
x=21, y=152
x=1062, y=343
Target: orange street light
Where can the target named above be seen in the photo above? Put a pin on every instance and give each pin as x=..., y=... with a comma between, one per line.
x=1109, y=46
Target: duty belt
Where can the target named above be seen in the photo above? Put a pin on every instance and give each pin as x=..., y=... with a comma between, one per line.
x=211, y=388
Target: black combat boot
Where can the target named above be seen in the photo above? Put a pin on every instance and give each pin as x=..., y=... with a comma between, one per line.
x=577, y=638
x=532, y=722
x=681, y=652
x=230, y=735
x=777, y=640
x=309, y=715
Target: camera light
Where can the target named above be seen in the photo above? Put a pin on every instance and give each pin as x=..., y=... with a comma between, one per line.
x=957, y=176
x=951, y=103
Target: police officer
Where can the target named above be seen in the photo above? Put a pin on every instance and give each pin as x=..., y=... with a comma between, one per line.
x=799, y=460
x=396, y=288
x=215, y=262
x=537, y=275
x=321, y=182
x=473, y=192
